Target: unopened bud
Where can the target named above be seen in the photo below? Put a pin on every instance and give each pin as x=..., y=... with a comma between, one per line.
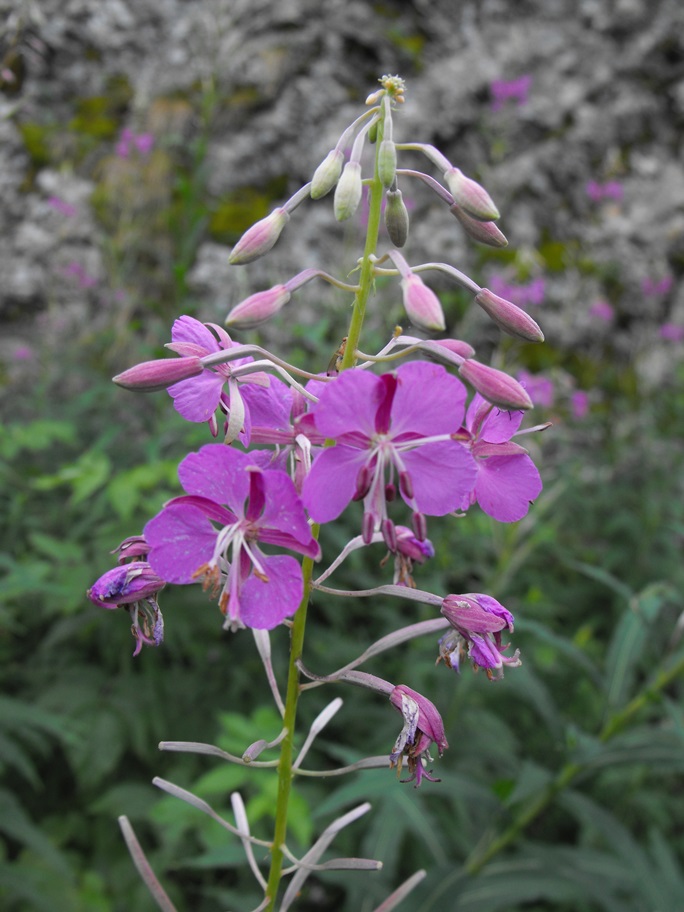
x=396, y=218
x=471, y=196
x=348, y=191
x=151, y=376
x=259, y=239
x=511, y=318
x=483, y=232
x=327, y=174
x=258, y=308
x=387, y=162
x=422, y=304
x=496, y=386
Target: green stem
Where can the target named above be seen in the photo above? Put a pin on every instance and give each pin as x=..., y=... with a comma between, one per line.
x=285, y=773
x=489, y=848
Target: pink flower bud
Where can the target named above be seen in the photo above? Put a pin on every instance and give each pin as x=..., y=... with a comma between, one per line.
x=258, y=308
x=422, y=304
x=259, y=239
x=387, y=162
x=509, y=317
x=327, y=174
x=471, y=196
x=396, y=218
x=483, y=232
x=496, y=386
x=348, y=191
x=151, y=376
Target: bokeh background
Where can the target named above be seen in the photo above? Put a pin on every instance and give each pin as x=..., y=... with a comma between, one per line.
x=139, y=140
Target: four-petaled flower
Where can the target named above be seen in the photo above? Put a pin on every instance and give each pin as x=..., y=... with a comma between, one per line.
x=507, y=479
x=232, y=505
x=252, y=396
x=422, y=725
x=393, y=431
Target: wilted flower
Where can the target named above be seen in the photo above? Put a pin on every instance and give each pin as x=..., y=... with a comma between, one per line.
x=478, y=621
x=422, y=726
x=133, y=586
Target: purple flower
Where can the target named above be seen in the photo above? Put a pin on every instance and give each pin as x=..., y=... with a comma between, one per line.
x=84, y=279
x=602, y=310
x=579, y=404
x=522, y=295
x=422, y=725
x=655, y=288
x=129, y=140
x=507, y=479
x=62, y=206
x=393, y=432
x=673, y=332
x=232, y=505
x=504, y=90
x=610, y=190
x=539, y=388
x=135, y=587
x=251, y=397
x=478, y=621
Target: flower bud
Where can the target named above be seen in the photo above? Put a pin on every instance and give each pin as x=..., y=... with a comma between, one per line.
x=387, y=162
x=511, y=318
x=259, y=239
x=483, y=232
x=258, y=308
x=396, y=218
x=448, y=351
x=151, y=376
x=422, y=304
x=327, y=174
x=348, y=191
x=471, y=196
x=496, y=386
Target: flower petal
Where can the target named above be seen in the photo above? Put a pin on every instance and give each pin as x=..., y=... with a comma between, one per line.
x=442, y=475
x=428, y=400
x=283, y=520
x=188, y=329
x=349, y=403
x=219, y=473
x=331, y=483
x=264, y=605
x=505, y=486
x=181, y=540
x=197, y=399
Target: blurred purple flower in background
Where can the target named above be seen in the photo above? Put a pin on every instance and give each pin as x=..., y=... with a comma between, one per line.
x=672, y=332
x=522, y=295
x=579, y=404
x=539, y=388
x=610, y=190
x=602, y=310
x=503, y=90
x=62, y=206
x=654, y=288
x=129, y=141
x=78, y=271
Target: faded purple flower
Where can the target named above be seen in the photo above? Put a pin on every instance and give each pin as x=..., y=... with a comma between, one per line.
x=128, y=141
x=62, y=206
x=673, y=332
x=579, y=404
x=610, y=190
x=233, y=505
x=393, y=433
x=84, y=279
x=478, y=621
x=656, y=288
x=507, y=480
x=503, y=90
x=602, y=310
x=531, y=293
x=539, y=388
x=422, y=726
x=133, y=586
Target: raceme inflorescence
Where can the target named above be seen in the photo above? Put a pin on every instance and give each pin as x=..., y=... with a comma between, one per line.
x=420, y=429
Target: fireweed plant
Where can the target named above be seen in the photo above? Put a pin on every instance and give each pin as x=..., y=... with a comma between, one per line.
x=399, y=432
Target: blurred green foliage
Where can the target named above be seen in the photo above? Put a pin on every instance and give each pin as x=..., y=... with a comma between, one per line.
x=561, y=789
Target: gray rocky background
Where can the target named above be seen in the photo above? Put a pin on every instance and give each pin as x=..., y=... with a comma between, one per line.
x=279, y=81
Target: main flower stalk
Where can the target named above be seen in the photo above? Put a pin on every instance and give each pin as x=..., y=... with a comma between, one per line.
x=285, y=773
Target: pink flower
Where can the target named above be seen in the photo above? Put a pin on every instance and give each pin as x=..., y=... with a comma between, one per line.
x=393, y=432
x=507, y=480
x=503, y=90
x=655, y=288
x=233, y=505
